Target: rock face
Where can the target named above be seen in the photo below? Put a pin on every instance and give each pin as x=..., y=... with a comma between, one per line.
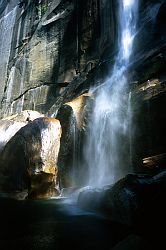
x=24, y=116
x=33, y=152
x=148, y=128
x=54, y=51
x=72, y=116
x=49, y=43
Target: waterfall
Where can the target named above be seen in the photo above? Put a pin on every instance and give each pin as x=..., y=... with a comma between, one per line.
x=107, y=150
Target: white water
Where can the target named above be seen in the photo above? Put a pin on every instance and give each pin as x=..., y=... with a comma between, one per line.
x=107, y=151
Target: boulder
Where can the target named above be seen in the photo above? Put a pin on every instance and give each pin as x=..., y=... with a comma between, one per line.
x=132, y=242
x=72, y=116
x=8, y=128
x=11, y=124
x=29, y=159
x=137, y=201
x=77, y=106
x=42, y=186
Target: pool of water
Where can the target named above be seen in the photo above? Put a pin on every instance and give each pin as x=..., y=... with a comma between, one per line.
x=54, y=224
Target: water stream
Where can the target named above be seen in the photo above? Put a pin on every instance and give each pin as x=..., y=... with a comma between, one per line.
x=107, y=150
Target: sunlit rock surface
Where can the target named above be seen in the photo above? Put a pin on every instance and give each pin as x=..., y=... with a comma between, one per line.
x=24, y=116
x=42, y=186
x=78, y=108
x=43, y=50
x=53, y=51
x=11, y=124
x=72, y=116
x=31, y=156
x=8, y=128
x=57, y=50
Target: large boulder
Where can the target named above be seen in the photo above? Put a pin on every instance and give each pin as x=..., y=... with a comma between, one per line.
x=11, y=124
x=72, y=116
x=8, y=128
x=137, y=201
x=29, y=159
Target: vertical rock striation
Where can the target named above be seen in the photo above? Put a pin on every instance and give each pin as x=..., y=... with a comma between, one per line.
x=49, y=45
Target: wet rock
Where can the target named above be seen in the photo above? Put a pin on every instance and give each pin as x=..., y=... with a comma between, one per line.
x=148, y=130
x=70, y=192
x=78, y=107
x=132, y=242
x=16, y=195
x=137, y=201
x=33, y=150
x=42, y=186
x=72, y=116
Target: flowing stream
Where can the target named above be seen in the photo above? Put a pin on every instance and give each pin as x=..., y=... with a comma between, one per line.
x=107, y=150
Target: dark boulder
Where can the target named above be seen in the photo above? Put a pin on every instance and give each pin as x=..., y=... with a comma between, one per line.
x=137, y=201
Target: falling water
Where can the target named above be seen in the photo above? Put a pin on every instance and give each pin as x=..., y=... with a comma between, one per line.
x=107, y=151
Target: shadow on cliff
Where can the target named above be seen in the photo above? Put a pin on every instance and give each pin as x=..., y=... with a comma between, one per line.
x=82, y=44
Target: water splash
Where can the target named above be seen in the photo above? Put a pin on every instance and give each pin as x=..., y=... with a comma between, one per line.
x=107, y=151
